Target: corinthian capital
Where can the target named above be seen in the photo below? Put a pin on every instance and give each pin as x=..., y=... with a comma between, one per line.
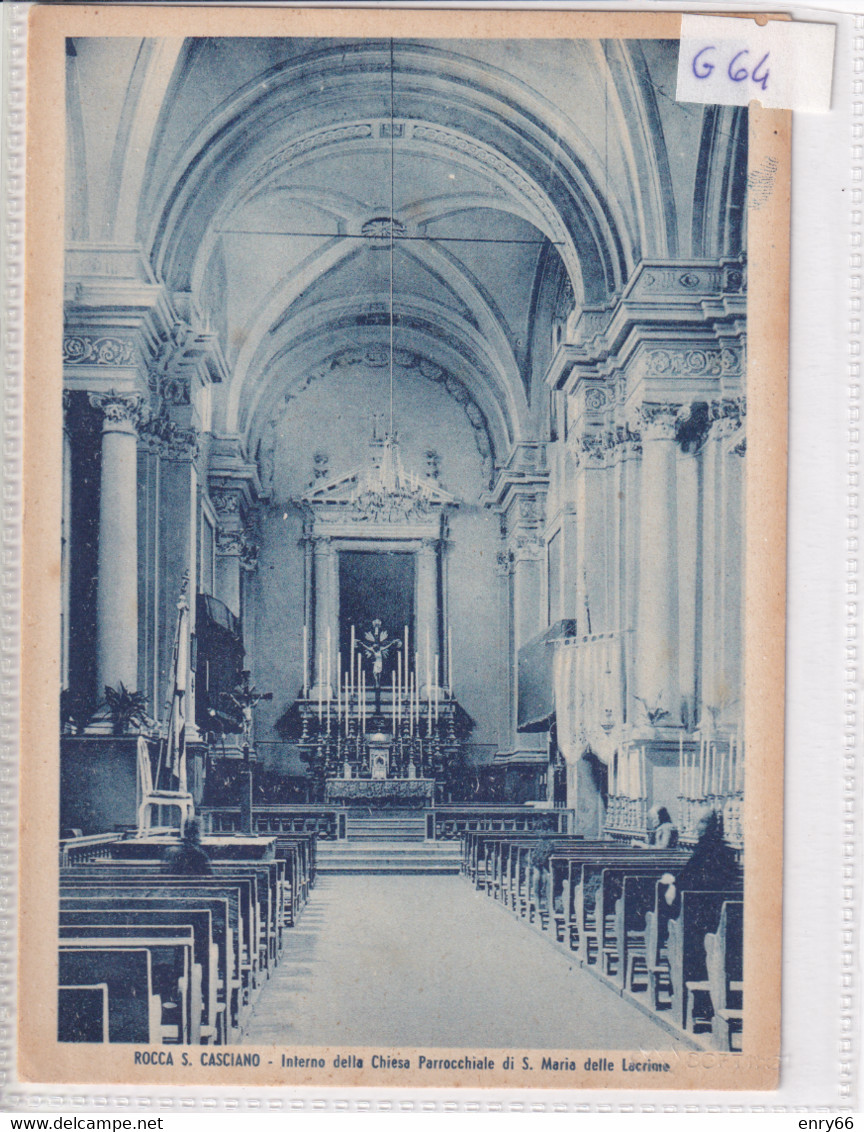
x=659, y=421
x=119, y=409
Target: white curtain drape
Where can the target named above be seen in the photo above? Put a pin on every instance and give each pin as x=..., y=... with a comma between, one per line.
x=587, y=687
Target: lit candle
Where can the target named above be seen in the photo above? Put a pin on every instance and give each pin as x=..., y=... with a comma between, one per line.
x=405, y=661
x=351, y=664
x=305, y=662
x=411, y=705
x=328, y=667
x=428, y=665
x=347, y=700
x=450, y=660
x=338, y=687
x=643, y=766
x=319, y=688
x=436, y=682
x=701, y=776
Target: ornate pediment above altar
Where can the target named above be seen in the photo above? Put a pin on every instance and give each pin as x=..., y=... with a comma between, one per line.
x=381, y=495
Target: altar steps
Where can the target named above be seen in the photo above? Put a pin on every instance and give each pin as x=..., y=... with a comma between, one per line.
x=387, y=827
x=388, y=857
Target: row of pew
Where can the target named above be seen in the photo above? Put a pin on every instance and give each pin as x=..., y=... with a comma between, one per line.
x=158, y=959
x=606, y=903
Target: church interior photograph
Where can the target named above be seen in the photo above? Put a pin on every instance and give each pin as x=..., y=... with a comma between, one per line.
x=401, y=683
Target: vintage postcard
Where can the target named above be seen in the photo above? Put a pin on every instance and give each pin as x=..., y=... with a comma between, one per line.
x=404, y=554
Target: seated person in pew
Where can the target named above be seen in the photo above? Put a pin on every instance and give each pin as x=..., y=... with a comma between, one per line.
x=713, y=864
x=188, y=859
x=662, y=833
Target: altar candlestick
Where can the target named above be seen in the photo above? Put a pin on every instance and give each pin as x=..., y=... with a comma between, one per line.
x=405, y=662
x=319, y=687
x=328, y=667
x=411, y=705
x=450, y=660
x=701, y=776
x=305, y=662
x=436, y=684
x=338, y=687
x=428, y=666
x=347, y=700
x=393, y=701
x=429, y=712
x=353, y=647
x=643, y=766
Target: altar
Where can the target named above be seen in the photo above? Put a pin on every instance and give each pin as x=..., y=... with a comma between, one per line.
x=408, y=792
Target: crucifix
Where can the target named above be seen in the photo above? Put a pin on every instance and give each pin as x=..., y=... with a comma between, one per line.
x=246, y=698
x=376, y=644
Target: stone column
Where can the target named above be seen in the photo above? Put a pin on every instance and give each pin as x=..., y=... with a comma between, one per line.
x=325, y=604
x=722, y=545
x=117, y=585
x=65, y=534
x=503, y=573
x=657, y=673
x=426, y=616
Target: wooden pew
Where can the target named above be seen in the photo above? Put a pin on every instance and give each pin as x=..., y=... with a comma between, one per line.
x=269, y=896
x=724, y=961
x=637, y=899
x=584, y=866
x=176, y=981
x=82, y=1013
x=216, y=990
x=699, y=915
x=134, y=1011
x=196, y=890
x=600, y=926
x=205, y=948
x=244, y=887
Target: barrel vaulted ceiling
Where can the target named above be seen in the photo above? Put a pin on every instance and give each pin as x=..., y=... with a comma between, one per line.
x=259, y=178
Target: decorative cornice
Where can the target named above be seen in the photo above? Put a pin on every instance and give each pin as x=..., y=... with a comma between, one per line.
x=659, y=421
x=120, y=410
x=242, y=544
x=703, y=361
x=107, y=350
x=225, y=503
x=726, y=416
x=168, y=440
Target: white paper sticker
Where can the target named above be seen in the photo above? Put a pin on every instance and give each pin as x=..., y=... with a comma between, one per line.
x=730, y=61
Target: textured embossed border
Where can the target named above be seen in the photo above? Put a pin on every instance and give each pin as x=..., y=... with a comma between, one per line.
x=847, y=842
